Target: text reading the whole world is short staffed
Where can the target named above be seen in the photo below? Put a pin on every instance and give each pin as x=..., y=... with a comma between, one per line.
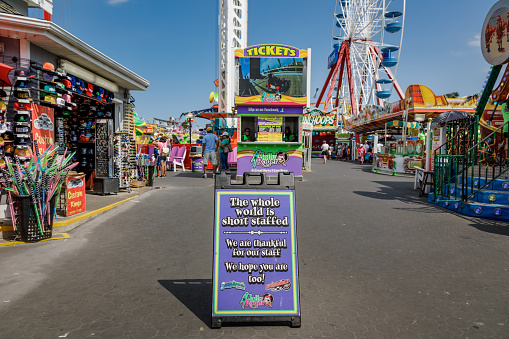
x=262, y=213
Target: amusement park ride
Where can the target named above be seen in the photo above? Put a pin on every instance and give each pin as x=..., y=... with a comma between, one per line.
x=366, y=43
x=471, y=173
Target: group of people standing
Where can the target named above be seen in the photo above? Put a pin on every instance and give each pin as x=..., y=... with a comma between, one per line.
x=210, y=145
x=365, y=153
x=342, y=152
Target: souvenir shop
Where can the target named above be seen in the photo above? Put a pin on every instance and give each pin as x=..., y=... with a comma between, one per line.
x=49, y=107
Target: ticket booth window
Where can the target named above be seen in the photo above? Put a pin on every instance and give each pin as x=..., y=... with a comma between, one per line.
x=293, y=124
x=249, y=123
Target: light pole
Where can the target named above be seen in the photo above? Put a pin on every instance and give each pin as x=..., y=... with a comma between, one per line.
x=190, y=121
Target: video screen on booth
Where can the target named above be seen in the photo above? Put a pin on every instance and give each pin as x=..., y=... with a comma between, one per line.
x=283, y=76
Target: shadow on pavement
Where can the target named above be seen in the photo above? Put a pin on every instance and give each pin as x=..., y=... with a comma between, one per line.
x=393, y=190
x=491, y=226
x=403, y=191
x=195, y=294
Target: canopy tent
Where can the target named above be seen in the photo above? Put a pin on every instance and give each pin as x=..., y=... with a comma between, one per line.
x=451, y=115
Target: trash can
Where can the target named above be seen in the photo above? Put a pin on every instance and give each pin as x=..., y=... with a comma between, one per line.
x=26, y=220
x=197, y=164
x=151, y=173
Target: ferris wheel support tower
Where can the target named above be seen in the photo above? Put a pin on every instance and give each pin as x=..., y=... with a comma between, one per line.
x=232, y=35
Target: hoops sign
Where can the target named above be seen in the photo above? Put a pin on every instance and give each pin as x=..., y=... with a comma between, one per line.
x=321, y=121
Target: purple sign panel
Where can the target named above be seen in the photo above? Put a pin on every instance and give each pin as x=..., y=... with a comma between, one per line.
x=255, y=254
x=264, y=110
x=270, y=160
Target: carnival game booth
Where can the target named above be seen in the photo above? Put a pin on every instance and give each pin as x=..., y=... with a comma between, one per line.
x=220, y=122
x=270, y=98
x=419, y=100
x=325, y=126
x=402, y=154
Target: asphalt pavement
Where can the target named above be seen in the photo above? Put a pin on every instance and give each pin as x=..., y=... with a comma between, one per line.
x=376, y=261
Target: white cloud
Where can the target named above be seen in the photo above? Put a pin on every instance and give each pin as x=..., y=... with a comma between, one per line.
x=114, y=2
x=475, y=41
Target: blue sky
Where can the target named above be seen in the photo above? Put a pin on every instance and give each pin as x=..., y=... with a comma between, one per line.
x=173, y=44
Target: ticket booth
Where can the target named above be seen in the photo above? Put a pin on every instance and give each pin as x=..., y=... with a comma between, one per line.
x=270, y=98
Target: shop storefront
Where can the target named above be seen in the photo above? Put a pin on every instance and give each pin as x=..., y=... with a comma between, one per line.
x=270, y=98
x=60, y=92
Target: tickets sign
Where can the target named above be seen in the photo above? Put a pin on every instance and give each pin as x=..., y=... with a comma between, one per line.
x=75, y=194
x=255, y=254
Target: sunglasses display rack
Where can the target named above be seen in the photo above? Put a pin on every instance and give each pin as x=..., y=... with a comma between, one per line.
x=22, y=128
x=121, y=161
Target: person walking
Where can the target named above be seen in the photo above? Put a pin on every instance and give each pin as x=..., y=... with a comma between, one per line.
x=210, y=143
x=325, y=151
x=362, y=153
x=224, y=149
x=164, y=152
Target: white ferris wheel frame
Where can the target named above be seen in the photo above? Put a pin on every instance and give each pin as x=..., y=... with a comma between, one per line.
x=362, y=21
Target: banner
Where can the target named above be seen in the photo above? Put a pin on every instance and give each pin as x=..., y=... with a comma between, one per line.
x=255, y=254
x=43, y=126
x=75, y=194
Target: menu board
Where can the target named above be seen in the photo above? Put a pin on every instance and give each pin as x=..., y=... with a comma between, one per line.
x=270, y=129
x=102, y=149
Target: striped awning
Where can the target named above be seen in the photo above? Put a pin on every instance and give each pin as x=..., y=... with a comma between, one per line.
x=400, y=123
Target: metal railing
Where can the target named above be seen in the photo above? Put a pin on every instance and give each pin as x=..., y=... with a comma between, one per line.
x=487, y=161
x=450, y=158
x=464, y=166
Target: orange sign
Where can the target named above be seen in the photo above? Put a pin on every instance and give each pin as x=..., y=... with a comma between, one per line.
x=43, y=126
x=75, y=194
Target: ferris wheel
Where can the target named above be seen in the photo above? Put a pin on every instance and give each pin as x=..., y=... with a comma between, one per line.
x=366, y=45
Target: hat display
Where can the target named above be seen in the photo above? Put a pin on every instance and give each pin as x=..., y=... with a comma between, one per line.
x=47, y=77
x=21, y=94
x=22, y=139
x=22, y=153
x=90, y=90
x=21, y=73
x=21, y=118
x=21, y=84
x=52, y=99
x=67, y=83
x=48, y=66
x=50, y=88
x=22, y=106
x=80, y=86
x=22, y=129
x=73, y=82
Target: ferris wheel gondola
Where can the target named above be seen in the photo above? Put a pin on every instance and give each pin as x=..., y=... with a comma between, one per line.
x=366, y=47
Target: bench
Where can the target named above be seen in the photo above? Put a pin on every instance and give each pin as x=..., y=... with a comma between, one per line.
x=423, y=180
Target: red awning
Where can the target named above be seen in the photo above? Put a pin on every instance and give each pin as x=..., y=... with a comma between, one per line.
x=4, y=75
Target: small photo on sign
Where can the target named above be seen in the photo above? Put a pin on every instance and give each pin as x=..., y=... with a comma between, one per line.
x=75, y=183
x=43, y=122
